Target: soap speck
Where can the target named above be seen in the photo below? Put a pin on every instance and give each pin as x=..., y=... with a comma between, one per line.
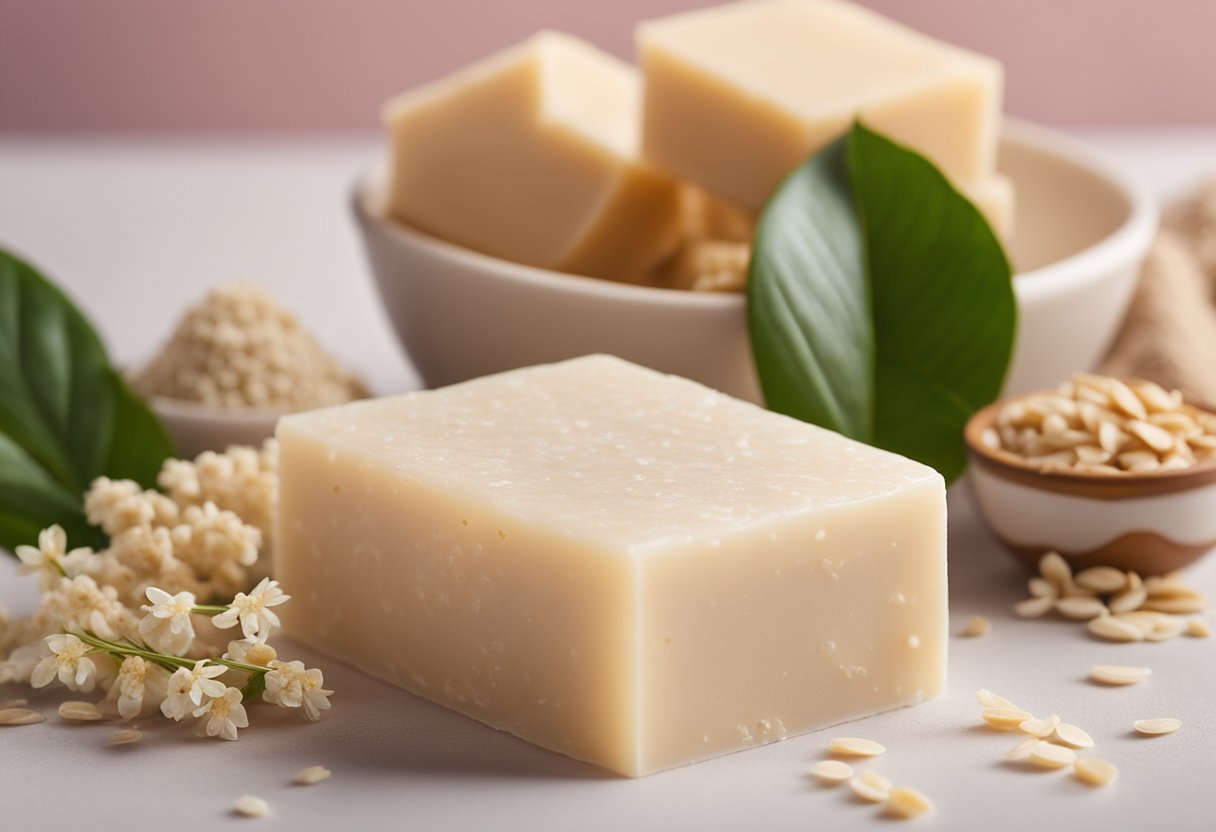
x=821, y=534
x=914, y=642
x=899, y=598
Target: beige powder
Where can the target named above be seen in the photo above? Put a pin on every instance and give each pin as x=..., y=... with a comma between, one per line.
x=240, y=348
x=1171, y=324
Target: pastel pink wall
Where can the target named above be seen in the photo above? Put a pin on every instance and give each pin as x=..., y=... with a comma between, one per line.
x=173, y=65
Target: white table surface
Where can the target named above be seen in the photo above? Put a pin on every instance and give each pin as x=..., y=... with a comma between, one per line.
x=135, y=229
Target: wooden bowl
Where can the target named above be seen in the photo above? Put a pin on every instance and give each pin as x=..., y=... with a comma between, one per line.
x=1150, y=523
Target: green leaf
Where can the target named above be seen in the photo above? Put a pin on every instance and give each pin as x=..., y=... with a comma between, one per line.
x=808, y=311
x=30, y=501
x=880, y=301
x=66, y=416
x=140, y=442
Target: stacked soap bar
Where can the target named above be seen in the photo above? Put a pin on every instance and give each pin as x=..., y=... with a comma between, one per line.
x=622, y=566
x=532, y=155
x=738, y=95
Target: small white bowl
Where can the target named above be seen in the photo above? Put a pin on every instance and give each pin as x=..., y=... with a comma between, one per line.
x=1151, y=523
x=198, y=427
x=1082, y=230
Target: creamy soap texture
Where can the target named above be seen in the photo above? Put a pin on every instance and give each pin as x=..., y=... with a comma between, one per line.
x=533, y=155
x=623, y=566
x=737, y=96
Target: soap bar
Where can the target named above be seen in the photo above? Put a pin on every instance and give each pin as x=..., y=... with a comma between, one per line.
x=619, y=565
x=532, y=155
x=738, y=95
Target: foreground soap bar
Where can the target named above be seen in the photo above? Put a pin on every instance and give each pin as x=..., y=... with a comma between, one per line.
x=532, y=155
x=737, y=96
x=622, y=566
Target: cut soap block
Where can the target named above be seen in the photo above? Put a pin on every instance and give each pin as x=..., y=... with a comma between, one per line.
x=532, y=155
x=737, y=96
x=619, y=565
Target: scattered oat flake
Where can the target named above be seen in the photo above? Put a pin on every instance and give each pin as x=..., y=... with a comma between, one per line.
x=1022, y=750
x=1114, y=629
x=1166, y=628
x=1073, y=736
x=992, y=700
x=1080, y=608
x=1006, y=719
x=315, y=774
x=75, y=711
x=871, y=786
x=1036, y=727
x=20, y=716
x=1035, y=607
x=1050, y=755
x=977, y=626
x=126, y=736
x=1156, y=727
x=829, y=771
x=1094, y=771
x=907, y=802
x=1198, y=627
x=1104, y=579
x=856, y=747
x=251, y=806
x=1119, y=674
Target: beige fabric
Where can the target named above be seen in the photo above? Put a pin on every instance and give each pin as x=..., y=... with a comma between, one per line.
x=1170, y=333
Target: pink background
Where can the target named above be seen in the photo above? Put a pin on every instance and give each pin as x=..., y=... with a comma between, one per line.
x=257, y=65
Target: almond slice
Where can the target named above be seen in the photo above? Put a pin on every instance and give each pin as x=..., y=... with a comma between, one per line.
x=1094, y=771
x=856, y=747
x=1103, y=579
x=1034, y=607
x=829, y=771
x=1073, y=736
x=1157, y=727
x=20, y=716
x=1050, y=755
x=871, y=786
x=907, y=802
x=1112, y=629
x=1080, y=608
x=1006, y=719
x=1119, y=674
x=991, y=700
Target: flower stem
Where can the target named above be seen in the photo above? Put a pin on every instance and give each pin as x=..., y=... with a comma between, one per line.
x=209, y=609
x=168, y=662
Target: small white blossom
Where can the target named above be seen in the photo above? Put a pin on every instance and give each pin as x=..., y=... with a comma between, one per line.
x=290, y=685
x=257, y=621
x=167, y=626
x=50, y=558
x=225, y=714
x=251, y=652
x=188, y=686
x=138, y=681
x=68, y=661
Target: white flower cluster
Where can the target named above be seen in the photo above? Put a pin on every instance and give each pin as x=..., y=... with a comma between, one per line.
x=93, y=629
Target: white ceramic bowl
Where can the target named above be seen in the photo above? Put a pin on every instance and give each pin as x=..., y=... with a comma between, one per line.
x=1082, y=230
x=1150, y=523
x=198, y=427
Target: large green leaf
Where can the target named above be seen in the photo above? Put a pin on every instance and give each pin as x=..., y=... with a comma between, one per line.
x=66, y=417
x=881, y=303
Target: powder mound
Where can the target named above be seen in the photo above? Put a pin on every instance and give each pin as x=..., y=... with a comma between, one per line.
x=239, y=348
